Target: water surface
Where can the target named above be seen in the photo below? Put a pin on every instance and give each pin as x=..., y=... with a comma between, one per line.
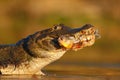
x=72, y=72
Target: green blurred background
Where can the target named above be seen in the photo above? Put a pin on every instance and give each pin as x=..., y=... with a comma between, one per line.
x=19, y=18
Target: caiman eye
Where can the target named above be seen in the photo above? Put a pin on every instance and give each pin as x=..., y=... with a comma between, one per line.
x=57, y=27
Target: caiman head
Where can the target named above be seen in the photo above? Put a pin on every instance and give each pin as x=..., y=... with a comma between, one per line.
x=61, y=37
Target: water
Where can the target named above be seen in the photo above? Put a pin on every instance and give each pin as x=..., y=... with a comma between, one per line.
x=72, y=72
x=60, y=77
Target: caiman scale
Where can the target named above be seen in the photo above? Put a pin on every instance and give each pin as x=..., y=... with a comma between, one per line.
x=31, y=54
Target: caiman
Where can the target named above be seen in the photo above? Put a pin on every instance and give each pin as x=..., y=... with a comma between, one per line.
x=31, y=54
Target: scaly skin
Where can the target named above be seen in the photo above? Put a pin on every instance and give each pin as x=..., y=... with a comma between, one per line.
x=31, y=54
